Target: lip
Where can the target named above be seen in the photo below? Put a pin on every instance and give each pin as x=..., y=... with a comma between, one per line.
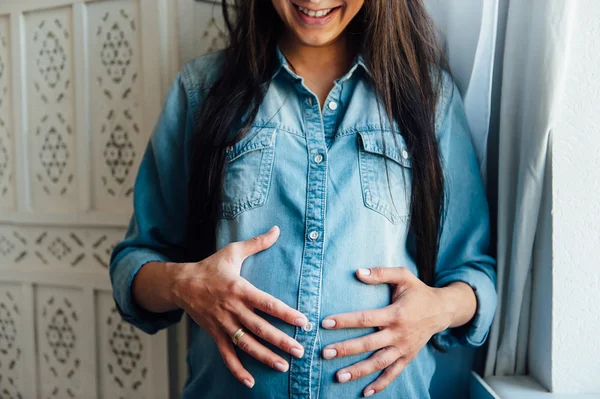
x=315, y=21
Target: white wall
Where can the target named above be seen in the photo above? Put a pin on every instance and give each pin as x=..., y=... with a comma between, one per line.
x=576, y=212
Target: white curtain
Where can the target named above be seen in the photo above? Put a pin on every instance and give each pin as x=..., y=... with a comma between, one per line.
x=532, y=74
x=507, y=58
x=469, y=29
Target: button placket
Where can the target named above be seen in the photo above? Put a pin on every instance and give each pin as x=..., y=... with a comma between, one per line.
x=302, y=386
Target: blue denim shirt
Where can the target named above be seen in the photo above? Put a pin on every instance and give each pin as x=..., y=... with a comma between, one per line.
x=319, y=174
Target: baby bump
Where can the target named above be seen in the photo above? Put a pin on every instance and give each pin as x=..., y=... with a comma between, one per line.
x=353, y=296
x=347, y=294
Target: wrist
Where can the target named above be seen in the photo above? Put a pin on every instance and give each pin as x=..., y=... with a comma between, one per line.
x=174, y=277
x=152, y=286
x=458, y=304
x=447, y=308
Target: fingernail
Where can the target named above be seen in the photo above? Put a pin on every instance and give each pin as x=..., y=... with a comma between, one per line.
x=280, y=367
x=329, y=353
x=297, y=352
x=272, y=229
x=248, y=383
x=370, y=392
x=344, y=377
x=300, y=321
x=364, y=272
x=328, y=323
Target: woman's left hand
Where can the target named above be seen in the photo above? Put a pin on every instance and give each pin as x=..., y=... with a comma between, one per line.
x=416, y=313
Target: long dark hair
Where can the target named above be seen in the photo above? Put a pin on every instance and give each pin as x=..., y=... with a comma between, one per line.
x=398, y=42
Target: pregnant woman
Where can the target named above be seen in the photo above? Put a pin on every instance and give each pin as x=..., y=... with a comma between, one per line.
x=310, y=197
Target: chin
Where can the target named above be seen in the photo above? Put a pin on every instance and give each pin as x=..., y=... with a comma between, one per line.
x=316, y=42
x=314, y=39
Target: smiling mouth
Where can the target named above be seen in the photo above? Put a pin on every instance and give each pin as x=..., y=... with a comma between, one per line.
x=315, y=13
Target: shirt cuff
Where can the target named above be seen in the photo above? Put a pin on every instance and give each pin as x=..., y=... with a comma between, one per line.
x=125, y=269
x=476, y=331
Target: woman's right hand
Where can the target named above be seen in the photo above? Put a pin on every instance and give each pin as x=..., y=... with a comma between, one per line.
x=220, y=301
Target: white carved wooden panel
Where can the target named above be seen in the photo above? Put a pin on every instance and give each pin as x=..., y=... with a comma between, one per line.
x=11, y=342
x=51, y=132
x=60, y=341
x=7, y=192
x=124, y=361
x=115, y=95
x=81, y=85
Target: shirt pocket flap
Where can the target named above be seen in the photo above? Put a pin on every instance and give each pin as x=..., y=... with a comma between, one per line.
x=257, y=138
x=395, y=147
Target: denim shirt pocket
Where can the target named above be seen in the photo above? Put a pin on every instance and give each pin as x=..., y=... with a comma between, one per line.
x=248, y=167
x=385, y=174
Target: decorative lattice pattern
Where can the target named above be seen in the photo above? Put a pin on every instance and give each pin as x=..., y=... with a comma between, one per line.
x=71, y=248
x=116, y=53
x=54, y=154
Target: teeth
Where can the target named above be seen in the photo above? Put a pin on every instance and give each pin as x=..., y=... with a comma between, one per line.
x=314, y=14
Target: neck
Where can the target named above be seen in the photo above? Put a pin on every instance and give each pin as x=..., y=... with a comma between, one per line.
x=319, y=66
x=333, y=60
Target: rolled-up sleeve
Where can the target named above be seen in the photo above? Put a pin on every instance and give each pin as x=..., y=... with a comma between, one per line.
x=464, y=251
x=157, y=227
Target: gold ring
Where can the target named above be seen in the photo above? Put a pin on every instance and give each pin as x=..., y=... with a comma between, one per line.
x=238, y=334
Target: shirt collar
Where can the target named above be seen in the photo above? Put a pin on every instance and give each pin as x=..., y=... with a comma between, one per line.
x=282, y=64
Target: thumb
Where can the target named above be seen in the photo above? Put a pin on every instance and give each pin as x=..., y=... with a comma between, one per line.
x=260, y=242
x=378, y=275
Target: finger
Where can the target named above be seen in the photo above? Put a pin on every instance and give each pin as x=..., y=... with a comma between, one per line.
x=379, y=275
x=262, y=329
x=386, y=378
x=257, y=243
x=269, y=304
x=379, y=361
x=232, y=362
x=363, y=318
x=252, y=347
x=368, y=343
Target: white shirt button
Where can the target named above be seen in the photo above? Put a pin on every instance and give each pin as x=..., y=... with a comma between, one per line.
x=308, y=327
x=313, y=235
x=404, y=154
x=318, y=158
x=332, y=105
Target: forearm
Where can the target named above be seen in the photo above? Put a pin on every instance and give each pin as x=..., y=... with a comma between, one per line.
x=152, y=287
x=459, y=303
